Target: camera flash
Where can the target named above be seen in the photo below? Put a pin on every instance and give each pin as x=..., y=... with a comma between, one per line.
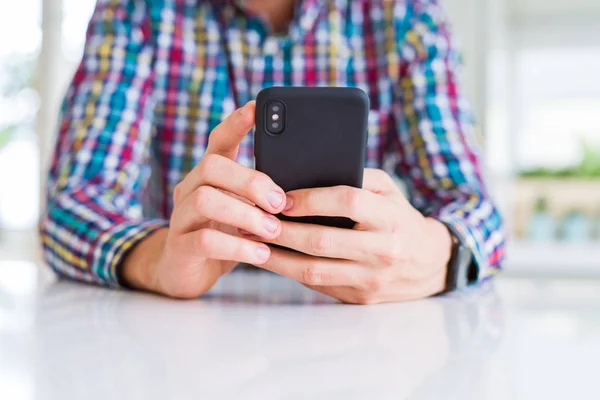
x=275, y=117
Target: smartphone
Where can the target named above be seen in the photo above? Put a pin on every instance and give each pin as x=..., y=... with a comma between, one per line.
x=310, y=137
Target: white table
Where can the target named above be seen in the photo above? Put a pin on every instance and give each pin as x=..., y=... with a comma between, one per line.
x=259, y=336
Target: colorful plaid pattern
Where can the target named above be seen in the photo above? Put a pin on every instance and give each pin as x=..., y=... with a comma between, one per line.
x=157, y=77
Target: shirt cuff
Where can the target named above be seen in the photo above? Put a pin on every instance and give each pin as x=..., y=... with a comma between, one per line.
x=113, y=245
x=467, y=236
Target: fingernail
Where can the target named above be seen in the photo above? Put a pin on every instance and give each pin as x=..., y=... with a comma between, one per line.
x=289, y=203
x=275, y=198
x=271, y=224
x=263, y=253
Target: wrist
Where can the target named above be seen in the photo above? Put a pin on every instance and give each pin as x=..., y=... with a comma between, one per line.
x=139, y=266
x=440, y=240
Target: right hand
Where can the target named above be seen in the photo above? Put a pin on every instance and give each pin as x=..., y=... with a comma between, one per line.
x=217, y=198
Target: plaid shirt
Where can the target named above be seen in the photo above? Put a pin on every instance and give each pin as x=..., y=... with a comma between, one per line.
x=157, y=77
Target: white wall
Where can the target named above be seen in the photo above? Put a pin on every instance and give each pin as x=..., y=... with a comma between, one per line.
x=468, y=19
x=485, y=34
x=49, y=83
x=530, y=10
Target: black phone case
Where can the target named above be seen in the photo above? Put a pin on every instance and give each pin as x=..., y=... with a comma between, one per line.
x=323, y=142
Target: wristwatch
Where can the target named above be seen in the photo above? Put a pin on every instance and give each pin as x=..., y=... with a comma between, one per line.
x=462, y=269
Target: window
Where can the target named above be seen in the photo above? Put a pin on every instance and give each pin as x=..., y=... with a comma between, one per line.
x=76, y=14
x=559, y=93
x=556, y=146
x=23, y=128
x=19, y=102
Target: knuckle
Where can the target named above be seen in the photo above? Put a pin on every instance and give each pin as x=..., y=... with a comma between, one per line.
x=203, y=197
x=204, y=238
x=365, y=299
x=209, y=163
x=177, y=193
x=374, y=283
x=320, y=243
x=210, y=159
x=391, y=256
x=256, y=182
x=311, y=275
x=351, y=199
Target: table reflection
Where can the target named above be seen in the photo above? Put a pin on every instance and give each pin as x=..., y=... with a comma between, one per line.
x=258, y=336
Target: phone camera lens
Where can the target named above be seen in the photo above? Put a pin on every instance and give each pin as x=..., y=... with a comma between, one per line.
x=275, y=117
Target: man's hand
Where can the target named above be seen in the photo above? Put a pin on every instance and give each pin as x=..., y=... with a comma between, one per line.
x=393, y=254
x=216, y=199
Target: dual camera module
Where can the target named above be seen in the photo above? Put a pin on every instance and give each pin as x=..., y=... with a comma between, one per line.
x=275, y=117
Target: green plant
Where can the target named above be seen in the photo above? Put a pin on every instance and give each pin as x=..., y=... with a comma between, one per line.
x=589, y=167
x=5, y=136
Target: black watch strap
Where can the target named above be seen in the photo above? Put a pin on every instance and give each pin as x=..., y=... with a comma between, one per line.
x=462, y=269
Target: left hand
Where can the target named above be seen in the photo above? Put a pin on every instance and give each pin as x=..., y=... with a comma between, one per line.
x=394, y=253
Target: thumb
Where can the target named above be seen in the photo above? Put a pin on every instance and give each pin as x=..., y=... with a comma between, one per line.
x=226, y=137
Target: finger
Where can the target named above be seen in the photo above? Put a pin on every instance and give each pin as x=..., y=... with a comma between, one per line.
x=314, y=271
x=378, y=290
x=345, y=294
x=341, y=293
x=365, y=247
x=216, y=245
x=226, y=137
x=378, y=181
x=209, y=204
x=228, y=175
x=362, y=206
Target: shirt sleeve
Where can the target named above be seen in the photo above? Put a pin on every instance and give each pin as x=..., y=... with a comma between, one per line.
x=438, y=151
x=100, y=164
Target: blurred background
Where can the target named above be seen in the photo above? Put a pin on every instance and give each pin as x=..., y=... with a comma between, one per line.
x=530, y=71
